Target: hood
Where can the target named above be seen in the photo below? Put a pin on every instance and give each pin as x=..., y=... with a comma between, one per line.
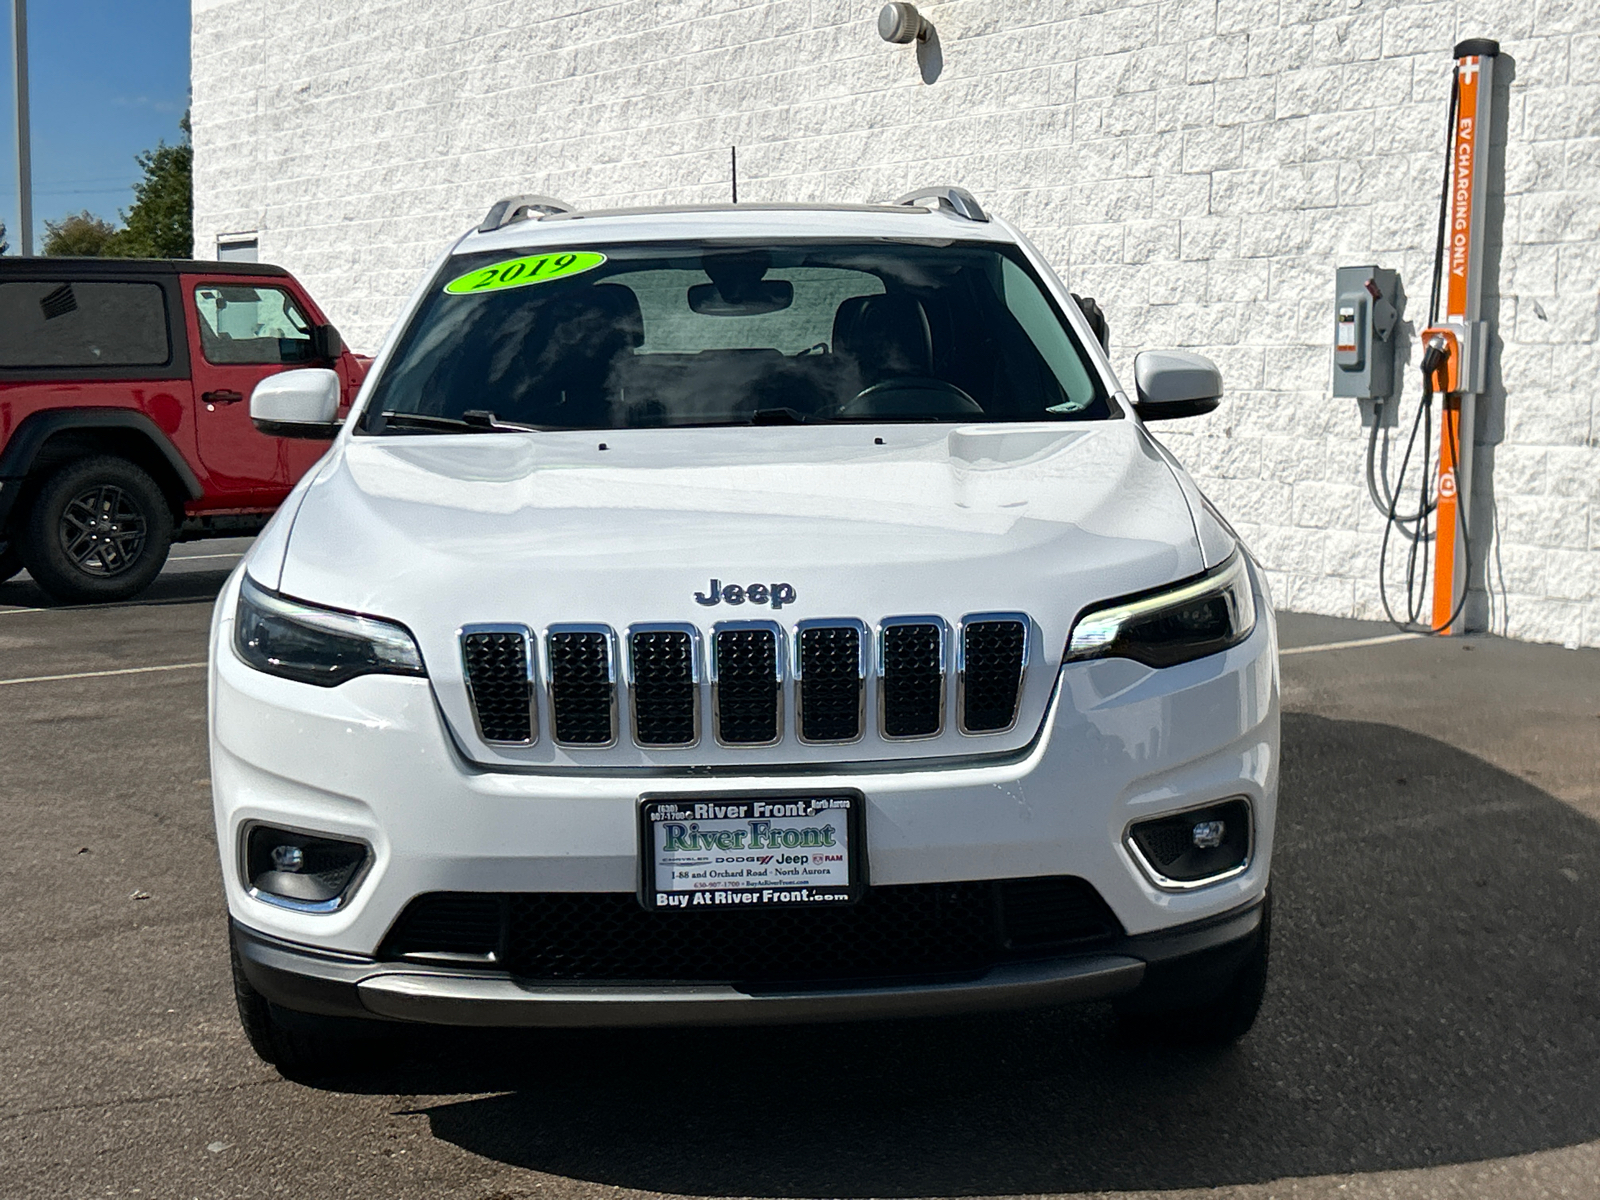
x=627, y=526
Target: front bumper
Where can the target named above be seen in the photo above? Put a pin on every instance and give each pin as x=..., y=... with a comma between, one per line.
x=303, y=980
x=373, y=760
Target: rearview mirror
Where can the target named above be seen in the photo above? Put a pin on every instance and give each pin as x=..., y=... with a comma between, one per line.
x=297, y=404
x=753, y=300
x=1175, y=383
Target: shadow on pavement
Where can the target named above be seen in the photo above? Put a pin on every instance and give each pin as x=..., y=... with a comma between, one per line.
x=1435, y=998
x=170, y=587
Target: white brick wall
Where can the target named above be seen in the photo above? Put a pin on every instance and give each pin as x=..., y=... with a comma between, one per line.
x=1200, y=166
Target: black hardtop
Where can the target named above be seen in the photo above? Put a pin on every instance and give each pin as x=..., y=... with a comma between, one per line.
x=103, y=268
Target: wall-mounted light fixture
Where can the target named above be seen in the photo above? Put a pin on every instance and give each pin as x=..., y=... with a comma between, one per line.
x=903, y=24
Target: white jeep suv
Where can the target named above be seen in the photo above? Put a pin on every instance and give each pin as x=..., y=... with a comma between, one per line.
x=743, y=614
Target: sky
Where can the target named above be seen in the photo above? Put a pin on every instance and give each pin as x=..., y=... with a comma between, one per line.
x=108, y=78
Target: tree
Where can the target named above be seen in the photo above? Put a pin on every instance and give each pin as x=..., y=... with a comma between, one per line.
x=80, y=235
x=161, y=222
x=4, y=245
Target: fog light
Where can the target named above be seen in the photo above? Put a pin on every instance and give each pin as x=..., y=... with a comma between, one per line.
x=292, y=858
x=1192, y=848
x=302, y=871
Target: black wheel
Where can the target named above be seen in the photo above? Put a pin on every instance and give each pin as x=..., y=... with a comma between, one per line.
x=99, y=529
x=10, y=562
x=1209, y=1002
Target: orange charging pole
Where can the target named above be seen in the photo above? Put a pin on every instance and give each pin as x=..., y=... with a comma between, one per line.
x=1463, y=375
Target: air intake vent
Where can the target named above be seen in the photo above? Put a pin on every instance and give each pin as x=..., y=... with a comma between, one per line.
x=499, y=670
x=993, y=656
x=1053, y=910
x=583, y=692
x=449, y=927
x=911, y=669
x=921, y=930
x=746, y=684
x=665, y=676
x=830, y=680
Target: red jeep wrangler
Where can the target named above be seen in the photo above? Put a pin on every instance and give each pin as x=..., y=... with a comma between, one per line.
x=124, y=414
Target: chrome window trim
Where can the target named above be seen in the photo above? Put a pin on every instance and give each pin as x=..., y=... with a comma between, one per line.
x=1160, y=881
x=943, y=627
x=530, y=652
x=611, y=680
x=695, y=679
x=961, y=669
x=357, y=878
x=863, y=658
x=779, y=657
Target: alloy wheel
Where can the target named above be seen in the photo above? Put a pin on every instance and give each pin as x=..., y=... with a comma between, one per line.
x=103, y=531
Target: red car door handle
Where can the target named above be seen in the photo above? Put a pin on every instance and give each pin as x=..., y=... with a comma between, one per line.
x=223, y=396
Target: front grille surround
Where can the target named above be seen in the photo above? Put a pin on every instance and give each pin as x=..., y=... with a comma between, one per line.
x=478, y=699
x=806, y=635
x=563, y=710
x=723, y=681
x=600, y=687
x=964, y=666
x=635, y=667
x=888, y=687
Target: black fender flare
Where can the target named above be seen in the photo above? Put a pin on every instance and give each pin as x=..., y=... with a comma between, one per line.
x=22, y=450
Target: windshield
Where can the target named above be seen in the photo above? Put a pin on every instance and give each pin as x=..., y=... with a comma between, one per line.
x=660, y=335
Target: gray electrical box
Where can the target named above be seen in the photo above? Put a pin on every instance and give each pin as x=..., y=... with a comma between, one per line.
x=1366, y=308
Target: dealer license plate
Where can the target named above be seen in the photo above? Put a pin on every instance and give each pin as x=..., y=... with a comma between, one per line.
x=751, y=852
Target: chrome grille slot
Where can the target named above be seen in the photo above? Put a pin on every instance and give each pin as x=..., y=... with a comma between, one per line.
x=664, y=674
x=583, y=693
x=830, y=680
x=911, y=672
x=747, y=683
x=498, y=664
x=994, y=655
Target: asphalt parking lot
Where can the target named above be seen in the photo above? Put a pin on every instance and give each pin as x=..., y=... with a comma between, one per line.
x=1432, y=1026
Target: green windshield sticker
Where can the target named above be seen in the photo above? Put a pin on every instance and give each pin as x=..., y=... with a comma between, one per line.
x=520, y=272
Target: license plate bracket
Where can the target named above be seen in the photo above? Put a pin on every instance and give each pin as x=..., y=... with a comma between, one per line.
x=724, y=853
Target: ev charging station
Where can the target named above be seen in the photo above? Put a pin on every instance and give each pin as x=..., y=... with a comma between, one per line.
x=1460, y=332
x=1454, y=360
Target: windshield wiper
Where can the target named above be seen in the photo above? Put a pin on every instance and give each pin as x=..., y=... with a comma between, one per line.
x=482, y=418
x=778, y=416
x=474, y=420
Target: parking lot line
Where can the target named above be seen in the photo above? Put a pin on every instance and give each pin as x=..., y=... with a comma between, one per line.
x=101, y=674
x=1376, y=641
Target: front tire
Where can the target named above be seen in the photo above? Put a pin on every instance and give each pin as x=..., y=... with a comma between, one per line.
x=1186, y=1006
x=98, y=530
x=296, y=1053
x=10, y=562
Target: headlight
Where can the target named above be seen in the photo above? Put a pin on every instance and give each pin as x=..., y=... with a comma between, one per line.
x=317, y=645
x=1173, y=625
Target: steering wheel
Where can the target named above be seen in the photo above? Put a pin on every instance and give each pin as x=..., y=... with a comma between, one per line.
x=911, y=396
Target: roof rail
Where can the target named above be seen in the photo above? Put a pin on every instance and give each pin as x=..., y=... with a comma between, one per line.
x=520, y=208
x=957, y=200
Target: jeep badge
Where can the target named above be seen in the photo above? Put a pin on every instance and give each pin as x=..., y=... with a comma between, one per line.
x=775, y=594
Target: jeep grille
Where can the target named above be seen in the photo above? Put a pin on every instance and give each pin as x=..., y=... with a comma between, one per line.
x=747, y=660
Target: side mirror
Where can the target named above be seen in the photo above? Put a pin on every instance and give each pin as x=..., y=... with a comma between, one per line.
x=326, y=344
x=297, y=404
x=1175, y=383
x=1096, y=316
